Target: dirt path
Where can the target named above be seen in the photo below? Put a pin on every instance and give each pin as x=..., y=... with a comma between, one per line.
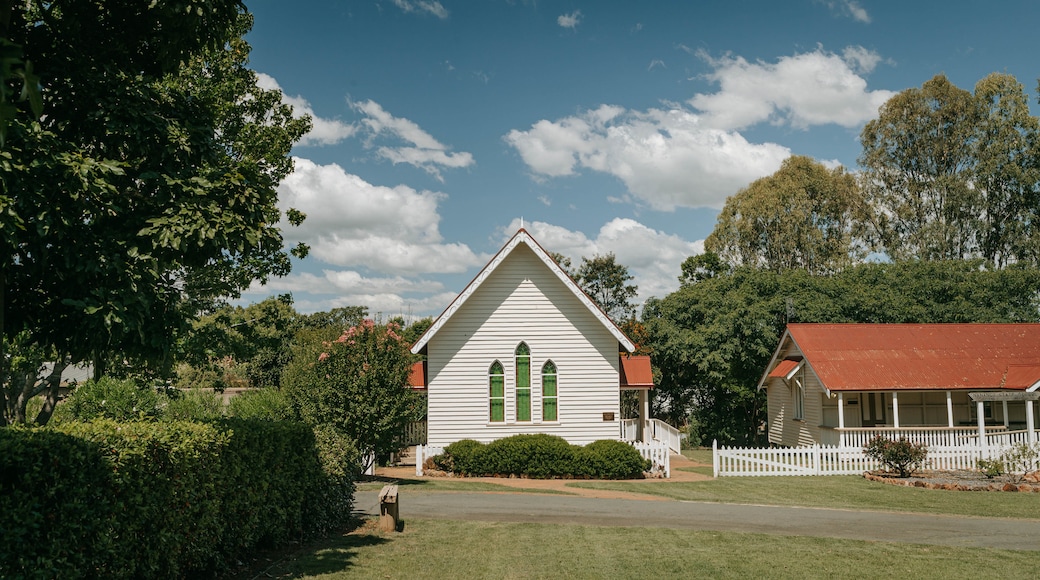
x=560, y=485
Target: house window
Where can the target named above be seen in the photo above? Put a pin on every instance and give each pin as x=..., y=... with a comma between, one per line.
x=549, y=396
x=497, y=392
x=799, y=399
x=523, y=382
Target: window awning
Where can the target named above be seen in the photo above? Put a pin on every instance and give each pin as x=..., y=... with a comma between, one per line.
x=785, y=368
x=636, y=372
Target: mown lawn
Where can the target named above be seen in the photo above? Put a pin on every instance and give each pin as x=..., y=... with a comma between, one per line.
x=843, y=492
x=456, y=549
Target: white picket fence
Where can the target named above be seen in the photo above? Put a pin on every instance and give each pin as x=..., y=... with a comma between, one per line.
x=422, y=453
x=657, y=453
x=833, y=460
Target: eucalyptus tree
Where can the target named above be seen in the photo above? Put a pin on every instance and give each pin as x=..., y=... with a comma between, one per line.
x=953, y=175
x=803, y=216
x=606, y=282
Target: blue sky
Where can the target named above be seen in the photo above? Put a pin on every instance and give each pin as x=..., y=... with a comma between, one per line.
x=605, y=126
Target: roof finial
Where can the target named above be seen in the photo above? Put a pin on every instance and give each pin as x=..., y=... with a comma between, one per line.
x=521, y=222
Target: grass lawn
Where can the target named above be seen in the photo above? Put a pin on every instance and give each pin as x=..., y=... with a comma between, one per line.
x=450, y=549
x=843, y=492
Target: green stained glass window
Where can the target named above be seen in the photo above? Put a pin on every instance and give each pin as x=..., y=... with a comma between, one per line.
x=497, y=392
x=549, y=395
x=523, y=382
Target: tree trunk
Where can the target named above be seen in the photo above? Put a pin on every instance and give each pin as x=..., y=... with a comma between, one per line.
x=53, y=382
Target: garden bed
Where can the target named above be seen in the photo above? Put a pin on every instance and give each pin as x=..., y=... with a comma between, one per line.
x=961, y=480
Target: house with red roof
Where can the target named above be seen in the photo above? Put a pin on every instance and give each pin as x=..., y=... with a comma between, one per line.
x=942, y=384
x=522, y=349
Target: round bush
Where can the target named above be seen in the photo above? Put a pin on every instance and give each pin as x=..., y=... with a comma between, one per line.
x=462, y=457
x=108, y=398
x=614, y=460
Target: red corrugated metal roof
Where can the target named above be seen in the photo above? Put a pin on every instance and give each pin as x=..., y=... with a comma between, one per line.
x=1021, y=376
x=417, y=376
x=636, y=372
x=785, y=366
x=877, y=357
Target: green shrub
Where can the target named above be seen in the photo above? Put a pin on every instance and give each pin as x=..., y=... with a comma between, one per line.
x=195, y=405
x=991, y=467
x=121, y=400
x=903, y=456
x=694, y=437
x=267, y=404
x=462, y=457
x=538, y=456
x=1013, y=463
x=613, y=460
x=542, y=456
x=160, y=499
x=56, y=502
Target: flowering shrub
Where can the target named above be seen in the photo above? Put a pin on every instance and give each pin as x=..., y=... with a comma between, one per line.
x=903, y=455
x=356, y=384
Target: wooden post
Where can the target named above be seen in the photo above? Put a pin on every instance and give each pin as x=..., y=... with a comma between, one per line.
x=841, y=410
x=949, y=408
x=1030, y=433
x=981, y=412
x=644, y=410
x=388, y=508
x=895, y=408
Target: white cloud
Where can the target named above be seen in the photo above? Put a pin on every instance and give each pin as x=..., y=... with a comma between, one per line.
x=666, y=158
x=338, y=288
x=693, y=154
x=813, y=88
x=571, y=20
x=423, y=6
x=353, y=223
x=425, y=152
x=324, y=131
x=654, y=258
x=849, y=8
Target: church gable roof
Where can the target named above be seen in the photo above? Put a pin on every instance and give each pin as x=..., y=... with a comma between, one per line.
x=522, y=237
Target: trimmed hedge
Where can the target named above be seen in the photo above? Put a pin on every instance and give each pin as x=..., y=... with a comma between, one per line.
x=542, y=456
x=158, y=499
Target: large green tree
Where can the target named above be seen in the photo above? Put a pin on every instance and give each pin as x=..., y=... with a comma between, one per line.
x=607, y=283
x=953, y=175
x=145, y=190
x=713, y=337
x=803, y=216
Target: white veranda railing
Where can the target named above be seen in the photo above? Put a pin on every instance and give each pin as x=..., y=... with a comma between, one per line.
x=658, y=430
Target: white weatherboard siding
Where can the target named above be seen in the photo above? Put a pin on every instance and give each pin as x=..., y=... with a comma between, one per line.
x=522, y=300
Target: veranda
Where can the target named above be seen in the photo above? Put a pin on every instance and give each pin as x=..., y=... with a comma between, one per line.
x=950, y=447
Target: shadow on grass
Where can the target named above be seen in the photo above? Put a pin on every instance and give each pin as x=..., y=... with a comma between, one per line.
x=324, y=556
